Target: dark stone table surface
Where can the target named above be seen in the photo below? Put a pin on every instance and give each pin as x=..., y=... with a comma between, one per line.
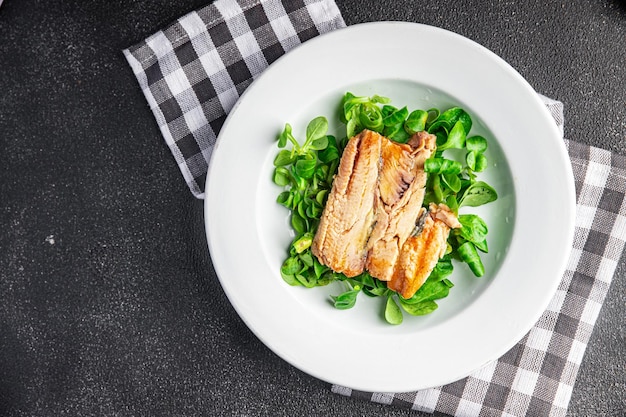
x=109, y=304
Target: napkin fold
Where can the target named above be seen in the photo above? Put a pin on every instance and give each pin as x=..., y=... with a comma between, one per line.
x=192, y=73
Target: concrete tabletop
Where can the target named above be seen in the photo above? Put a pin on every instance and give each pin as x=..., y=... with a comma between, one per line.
x=109, y=304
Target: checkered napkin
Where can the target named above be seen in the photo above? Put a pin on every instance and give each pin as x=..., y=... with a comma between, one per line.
x=192, y=73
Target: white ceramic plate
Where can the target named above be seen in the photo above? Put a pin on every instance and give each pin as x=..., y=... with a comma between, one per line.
x=531, y=224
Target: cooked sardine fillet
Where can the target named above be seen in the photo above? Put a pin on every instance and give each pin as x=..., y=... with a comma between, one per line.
x=373, y=205
x=400, y=194
x=420, y=253
x=346, y=223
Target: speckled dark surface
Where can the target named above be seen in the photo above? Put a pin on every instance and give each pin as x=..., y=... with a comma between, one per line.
x=108, y=301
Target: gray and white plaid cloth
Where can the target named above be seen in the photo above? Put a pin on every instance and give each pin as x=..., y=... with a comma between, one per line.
x=193, y=72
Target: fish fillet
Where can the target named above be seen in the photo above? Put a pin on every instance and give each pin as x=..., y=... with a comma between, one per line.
x=345, y=226
x=372, y=211
x=420, y=253
x=400, y=196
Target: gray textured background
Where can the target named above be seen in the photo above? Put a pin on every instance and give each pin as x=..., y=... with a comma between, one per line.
x=109, y=304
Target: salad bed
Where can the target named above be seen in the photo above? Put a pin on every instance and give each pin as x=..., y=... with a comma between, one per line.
x=305, y=170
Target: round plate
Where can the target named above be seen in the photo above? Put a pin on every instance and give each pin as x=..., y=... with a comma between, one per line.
x=530, y=226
